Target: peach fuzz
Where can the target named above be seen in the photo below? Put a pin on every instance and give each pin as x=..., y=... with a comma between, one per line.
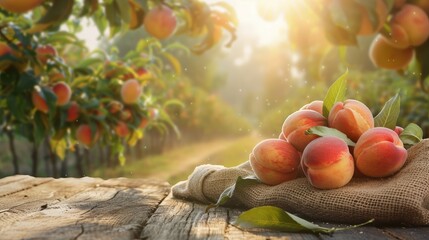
x=160, y=22
x=73, y=112
x=297, y=123
x=19, y=6
x=131, y=91
x=39, y=102
x=85, y=136
x=351, y=117
x=316, y=105
x=410, y=27
x=379, y=153
x=275, y=161
x=384, y=55
x=63, y=93
x=327, y=163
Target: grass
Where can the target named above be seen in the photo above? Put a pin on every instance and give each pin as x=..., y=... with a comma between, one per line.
x=177, y=164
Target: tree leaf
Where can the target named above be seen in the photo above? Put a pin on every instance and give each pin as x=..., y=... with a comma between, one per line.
x=275, y=218
x=336, y=93
x=411, y=135
x=389, y=114
x=326, y=131
x=124, y=10
x=58, y=12
x=229, y=192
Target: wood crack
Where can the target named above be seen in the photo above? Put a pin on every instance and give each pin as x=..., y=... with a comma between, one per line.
x=392, y=234
x=187, y=220
x=140, y=228
x=82, y=230
x=24, y=189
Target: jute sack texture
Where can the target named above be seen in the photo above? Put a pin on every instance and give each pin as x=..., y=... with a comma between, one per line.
x=400, y=199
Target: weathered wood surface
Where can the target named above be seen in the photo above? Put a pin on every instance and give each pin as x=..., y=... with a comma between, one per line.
x=92, y=208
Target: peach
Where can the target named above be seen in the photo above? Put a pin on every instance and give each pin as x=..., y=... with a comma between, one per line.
x=351, y=117
x=379, y=153
x=297, y=123
x=125, y=115
x=121, y=129
x=39, y=102
x=398, y=130
x=423, y=4
x=327, y=163
x=45, y=52
x=63, y=93
x=131, y=91
x=85, y=135
x=140, y=72
x=115, y=106
x=399, y=3
x=384, y=55
x=282, y=136
x=366, y=27
x=275, y=161
x=5, y=50
x=316, y=105
x=143, y=123
x=160, y=22
x=19, y=6
x=73, y=112
x=411, y=21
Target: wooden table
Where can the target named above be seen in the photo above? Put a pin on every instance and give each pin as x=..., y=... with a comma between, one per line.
x=93, y=208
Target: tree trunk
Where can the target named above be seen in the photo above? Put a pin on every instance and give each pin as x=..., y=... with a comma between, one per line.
x=11, y=137
x=79, y=168
x=87, y=157
x=101, y=156
x=35, y=159
x=64, y=167
x=53, y=159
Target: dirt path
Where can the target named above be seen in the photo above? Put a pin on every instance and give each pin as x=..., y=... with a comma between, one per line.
x=196, y=158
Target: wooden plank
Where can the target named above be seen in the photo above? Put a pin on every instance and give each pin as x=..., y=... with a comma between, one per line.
x=112, y=209
x=408, y=233
x=9, y=179
x=21, y=185
x=185, y=220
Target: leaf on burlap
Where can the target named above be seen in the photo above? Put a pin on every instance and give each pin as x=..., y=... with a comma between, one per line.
x=229, y=192
x=323, y=131
x=275, y=218
x=336, y=93
x=411, y=135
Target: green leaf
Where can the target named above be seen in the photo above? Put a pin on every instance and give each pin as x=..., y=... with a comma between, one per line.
x=336, y=93
x=422, y=57
x=58, y=12
x=124, y=9
x=389, y=114
x=326, y=131
x=275, y=218
x=411, y=135
x=229, y=192
x=344, y=15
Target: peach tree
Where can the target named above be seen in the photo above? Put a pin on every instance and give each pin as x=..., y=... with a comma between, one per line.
x=54, y=90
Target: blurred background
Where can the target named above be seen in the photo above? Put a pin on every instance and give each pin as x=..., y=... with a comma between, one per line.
x=229, y=97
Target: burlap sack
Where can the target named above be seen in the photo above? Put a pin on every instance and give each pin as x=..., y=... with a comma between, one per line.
x=402, y=198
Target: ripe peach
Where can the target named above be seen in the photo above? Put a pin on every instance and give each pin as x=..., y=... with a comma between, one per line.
x=45, y=52
x=73, y=112
x=140, y=72
x=327, y=163
x=63, y=93
x=160, y=22
x=19, y=6
x=366, y=27
x=143, y=123
x=85, y=136
x=297, y=123
x=379, y=153
x=275, y=161
x=39, y=102
x=351, y=117
x=131, y=91
x=121, y=129
x=398, y=130
x=4, y=49
x=423, y=4
x=383, y=55
x=282, y=136
x=411, y=21
x=399, y=3
x=315, y=106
